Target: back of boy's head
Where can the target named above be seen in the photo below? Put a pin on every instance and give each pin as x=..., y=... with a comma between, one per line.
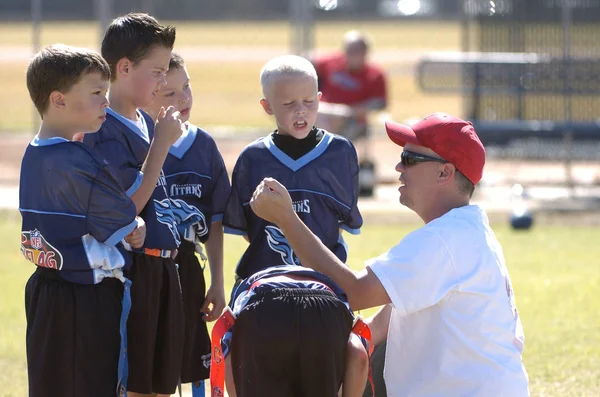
x=133, y=36
x=58, y=68
x=286, y=66
x=176, y=61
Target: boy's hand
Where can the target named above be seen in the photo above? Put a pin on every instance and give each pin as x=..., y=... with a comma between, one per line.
x=137, y=237
x=168, y=126
x=214, y=303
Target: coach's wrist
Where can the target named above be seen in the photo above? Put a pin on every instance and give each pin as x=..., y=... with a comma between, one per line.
x=287, y=219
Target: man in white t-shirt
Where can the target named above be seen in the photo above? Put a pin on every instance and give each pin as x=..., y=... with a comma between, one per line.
x=450, y=318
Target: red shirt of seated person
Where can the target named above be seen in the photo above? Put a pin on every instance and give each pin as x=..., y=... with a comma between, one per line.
x=348, y=79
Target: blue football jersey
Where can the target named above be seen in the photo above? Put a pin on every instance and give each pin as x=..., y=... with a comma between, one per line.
x=197, y=184
x=323, y=185
x=75, y=212
x=125, y=145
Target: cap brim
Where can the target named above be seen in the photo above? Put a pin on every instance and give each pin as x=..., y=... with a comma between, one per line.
x=401, y=134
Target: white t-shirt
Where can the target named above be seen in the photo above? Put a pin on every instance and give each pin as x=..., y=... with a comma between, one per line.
x=454, y=328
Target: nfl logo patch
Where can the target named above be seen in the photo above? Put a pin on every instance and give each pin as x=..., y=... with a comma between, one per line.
x=36, y=239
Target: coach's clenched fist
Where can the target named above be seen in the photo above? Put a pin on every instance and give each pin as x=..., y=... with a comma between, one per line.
x=272, y=202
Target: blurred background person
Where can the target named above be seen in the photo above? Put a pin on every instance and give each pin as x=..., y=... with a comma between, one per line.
x=352, y=88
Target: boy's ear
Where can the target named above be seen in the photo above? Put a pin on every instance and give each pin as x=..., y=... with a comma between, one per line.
x=57, y=100
x=266, y=106
x=124, y=66
x=319, y=95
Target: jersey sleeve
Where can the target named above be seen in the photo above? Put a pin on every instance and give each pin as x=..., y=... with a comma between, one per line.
x=234, y=220
x=110, y=214
x=222, y=188
x=417, y=273
x=129, y=175
x=353, y=220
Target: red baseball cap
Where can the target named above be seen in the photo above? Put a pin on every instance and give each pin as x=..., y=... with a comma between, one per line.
x=454, y=139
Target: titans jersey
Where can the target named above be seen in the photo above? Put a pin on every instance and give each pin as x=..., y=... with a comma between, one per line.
x=323, y=185
x=125, y=145
x=197, y=183
x=75, y=212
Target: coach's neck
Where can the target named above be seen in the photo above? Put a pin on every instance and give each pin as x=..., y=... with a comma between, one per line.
x=441, y=205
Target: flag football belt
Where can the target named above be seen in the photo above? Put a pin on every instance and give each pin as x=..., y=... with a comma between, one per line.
x=158, y=252
x=227, y=320
x=155, y=252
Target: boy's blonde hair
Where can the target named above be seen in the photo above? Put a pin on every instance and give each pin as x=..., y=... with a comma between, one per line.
x=285, y=66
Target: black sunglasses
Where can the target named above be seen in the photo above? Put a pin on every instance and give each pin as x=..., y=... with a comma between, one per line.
x=409, y=158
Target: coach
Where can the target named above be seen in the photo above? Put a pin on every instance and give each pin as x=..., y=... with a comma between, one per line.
x=450, y=318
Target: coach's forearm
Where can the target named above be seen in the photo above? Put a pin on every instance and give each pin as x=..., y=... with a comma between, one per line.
x=151, y=170
x=313, y=253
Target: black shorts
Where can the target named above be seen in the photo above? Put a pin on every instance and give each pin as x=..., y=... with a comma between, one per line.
x=73, y=337
x=155, y=327
x=290, y=342
x=196, y=350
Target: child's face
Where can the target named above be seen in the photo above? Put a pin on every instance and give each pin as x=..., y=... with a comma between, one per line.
x=293, y=101
x=85, y=103
x=149, y=76
x=177, y=93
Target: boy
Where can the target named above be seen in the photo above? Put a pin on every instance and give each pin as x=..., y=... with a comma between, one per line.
x=198, y=186
x=320, y=168
x=138, y=50
x=75, y=214
x=304, y=355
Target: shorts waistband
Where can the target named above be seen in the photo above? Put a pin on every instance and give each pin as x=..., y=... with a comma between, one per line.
x=47, y=273
x=295, y=292
x=53, y=274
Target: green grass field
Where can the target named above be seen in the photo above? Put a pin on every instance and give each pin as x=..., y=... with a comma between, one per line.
x=555, y=273
x=226, y=89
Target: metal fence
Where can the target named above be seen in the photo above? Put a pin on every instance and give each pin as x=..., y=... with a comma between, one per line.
x=530, y=69
x=241, y=9
x=537, y=63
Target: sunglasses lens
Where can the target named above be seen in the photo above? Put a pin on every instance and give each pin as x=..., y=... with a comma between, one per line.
x=408, y=159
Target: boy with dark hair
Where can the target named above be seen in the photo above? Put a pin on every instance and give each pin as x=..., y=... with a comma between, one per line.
x=138, y=50
x=75, y=214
